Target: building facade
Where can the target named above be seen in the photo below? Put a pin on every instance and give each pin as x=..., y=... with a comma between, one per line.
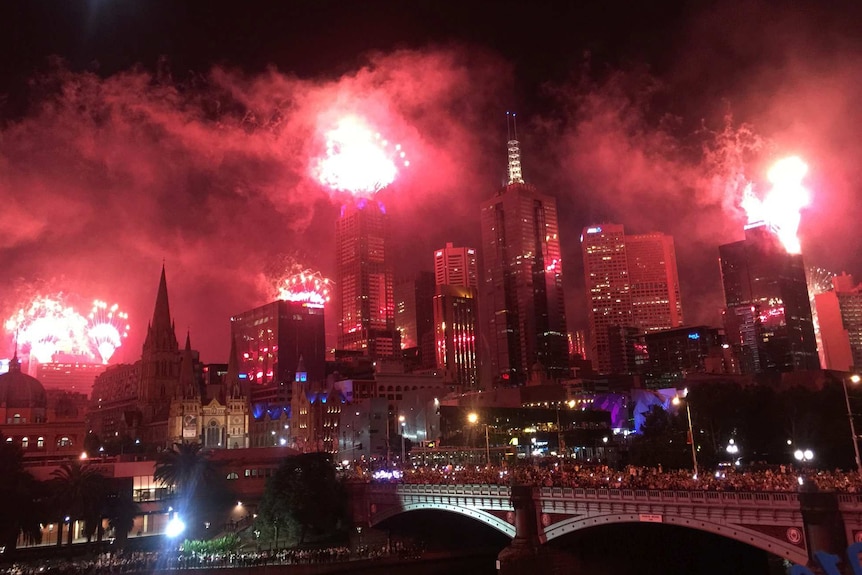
x=523, y=308
x=364, y=281
x=161, y=399
x=768, y=314
x=631, y=282
x=414, y=315
x=840, y=315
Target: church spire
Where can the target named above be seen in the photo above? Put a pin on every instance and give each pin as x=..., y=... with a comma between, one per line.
x=187, y=371
x=232, y=387
x=161, y=335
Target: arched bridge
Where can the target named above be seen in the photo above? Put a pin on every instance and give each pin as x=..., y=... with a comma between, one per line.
x=789, y=525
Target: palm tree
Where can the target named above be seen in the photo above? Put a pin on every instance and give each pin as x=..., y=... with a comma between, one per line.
x=185, y=468
x=121, y=510
x=21, y=496
x=79, y=493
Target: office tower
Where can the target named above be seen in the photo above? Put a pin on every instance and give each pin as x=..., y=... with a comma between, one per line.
x=414, y=315
x=768, y=315
x=631, y=282
x=456, y=267
x=456, y=314
x=840, y=315
x=523, y=310
x=364, y=281
x=271, y=339
x=69, y=375
x=677, y=352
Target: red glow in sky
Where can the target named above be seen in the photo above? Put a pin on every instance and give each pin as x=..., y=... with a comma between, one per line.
x=782, y=206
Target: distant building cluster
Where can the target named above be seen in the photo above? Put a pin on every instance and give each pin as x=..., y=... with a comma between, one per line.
x=482, y=328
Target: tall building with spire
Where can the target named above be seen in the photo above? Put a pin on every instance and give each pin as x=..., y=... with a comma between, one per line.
x=768, y=314
x=523, y=308
x=364, y=281
x=632, y=285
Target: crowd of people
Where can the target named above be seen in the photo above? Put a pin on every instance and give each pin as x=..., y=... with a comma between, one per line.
x=146, y=562
x=779, y=478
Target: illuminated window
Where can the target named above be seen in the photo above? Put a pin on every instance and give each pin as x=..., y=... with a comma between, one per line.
x=25, y=442
x=64, y=442
x=40, y=442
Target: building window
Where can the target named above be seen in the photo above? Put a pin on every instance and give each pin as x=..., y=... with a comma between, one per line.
x=40, y=442
x=64, y=442
x=25, y=442
x=232, y=475
x=16, y=419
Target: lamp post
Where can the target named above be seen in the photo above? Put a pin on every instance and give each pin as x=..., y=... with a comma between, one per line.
x=473, y=419
x=853, y=379
x=403, y=423
x=676, y=401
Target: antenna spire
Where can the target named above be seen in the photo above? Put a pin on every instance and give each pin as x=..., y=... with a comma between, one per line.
x=514, y=147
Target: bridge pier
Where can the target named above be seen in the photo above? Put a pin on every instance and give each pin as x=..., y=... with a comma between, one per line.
x=824, y=529
x=526, y=555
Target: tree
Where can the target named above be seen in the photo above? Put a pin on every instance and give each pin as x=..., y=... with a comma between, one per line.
x=199, y=488
x=21, y=495
x=79, y=493
x=121, y=510
x=303, y=497
x=663, y=441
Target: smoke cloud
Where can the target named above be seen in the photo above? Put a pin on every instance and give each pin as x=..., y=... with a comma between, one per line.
x=104, y=178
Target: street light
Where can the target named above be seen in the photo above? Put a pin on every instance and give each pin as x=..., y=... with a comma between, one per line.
x=803, y=456
x=401, y=419
x=854, y=379
x=473, y=419
x=676, y=401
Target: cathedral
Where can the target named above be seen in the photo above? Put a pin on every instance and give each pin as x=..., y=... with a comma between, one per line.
x=161, y=399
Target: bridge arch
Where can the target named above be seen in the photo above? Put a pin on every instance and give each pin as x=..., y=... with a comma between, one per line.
x=489, y=519
x=786, y=550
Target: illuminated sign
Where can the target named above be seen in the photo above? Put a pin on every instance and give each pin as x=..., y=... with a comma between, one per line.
x=596, y=230
x=694, y=335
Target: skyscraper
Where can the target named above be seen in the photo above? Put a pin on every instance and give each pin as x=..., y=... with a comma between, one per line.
x=414, y=315
x=768, y=314
x=523, y=309
x=456, y=314
x=632, y=282
x=840, y=314
x=364, y=281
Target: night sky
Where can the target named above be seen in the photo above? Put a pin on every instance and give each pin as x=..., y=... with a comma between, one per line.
x=136, y=132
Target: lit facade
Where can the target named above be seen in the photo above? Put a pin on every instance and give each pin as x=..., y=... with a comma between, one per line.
x=768, y=314
x=456, y=266
x=523, y=308
x=455, y=320
x=77, y=377
x=840, y=315
x=364, y=281
x=631, y=281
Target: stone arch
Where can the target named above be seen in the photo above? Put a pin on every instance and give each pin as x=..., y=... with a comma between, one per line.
x=482, y=516
x=784, y=549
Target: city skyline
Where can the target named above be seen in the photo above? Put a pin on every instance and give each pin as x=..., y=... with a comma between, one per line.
x=137, y=160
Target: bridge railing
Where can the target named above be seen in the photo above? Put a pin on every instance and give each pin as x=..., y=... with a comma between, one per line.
x=470, y=490
x=735, y=498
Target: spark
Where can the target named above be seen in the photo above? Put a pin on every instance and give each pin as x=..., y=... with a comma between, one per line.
x=46, y=327
x=305, y=286
x=358, y=160
x=781, y=207
x=107, y=328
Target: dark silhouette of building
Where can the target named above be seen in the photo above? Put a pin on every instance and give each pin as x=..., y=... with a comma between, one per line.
x=364, y=281
x=414, y=315
x=768, y=314
x=523, y=309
